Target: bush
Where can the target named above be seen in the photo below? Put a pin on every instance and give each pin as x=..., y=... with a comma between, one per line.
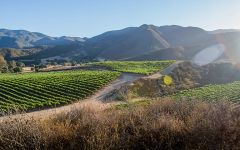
x=165, y=124
x=17, y=69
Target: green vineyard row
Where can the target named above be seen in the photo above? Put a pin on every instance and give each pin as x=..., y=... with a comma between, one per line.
x=36, y=90
x=230, y=92
x=141, y=67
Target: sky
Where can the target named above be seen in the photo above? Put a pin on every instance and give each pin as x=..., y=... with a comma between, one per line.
x=88, y=18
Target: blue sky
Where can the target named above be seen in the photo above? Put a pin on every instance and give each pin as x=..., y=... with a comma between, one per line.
x=86, y=18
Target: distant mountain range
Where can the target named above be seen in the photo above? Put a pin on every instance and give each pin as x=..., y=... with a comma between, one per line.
x=147, y=42
x=23, y=39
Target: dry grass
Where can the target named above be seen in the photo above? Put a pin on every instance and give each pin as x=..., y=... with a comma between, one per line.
x=164, y=124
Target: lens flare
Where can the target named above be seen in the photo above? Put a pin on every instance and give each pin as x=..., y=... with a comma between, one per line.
x=209, y=54
x=167, y=80
x=231, y=52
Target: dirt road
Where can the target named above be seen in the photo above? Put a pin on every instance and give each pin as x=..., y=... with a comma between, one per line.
x=93, y=102
x=164, y=71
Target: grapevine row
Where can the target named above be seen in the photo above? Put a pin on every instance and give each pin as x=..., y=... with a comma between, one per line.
x=36, y=90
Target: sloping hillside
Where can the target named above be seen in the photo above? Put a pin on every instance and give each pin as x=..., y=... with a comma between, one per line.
x=11, y=53
x=186, y=36
x=128, y=42
x=162, y=54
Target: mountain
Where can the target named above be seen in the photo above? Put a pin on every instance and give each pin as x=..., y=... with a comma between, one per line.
x=134, y=41
x=147, y=42
x=128, y=42
x=186, y=36
x=9, y=53
x=163, y=54
x=166, y=42
x=23, y=38
x=224, y=31
x=12, y=53
x=231, y=41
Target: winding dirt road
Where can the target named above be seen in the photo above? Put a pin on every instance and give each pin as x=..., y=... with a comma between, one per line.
x=94, y=102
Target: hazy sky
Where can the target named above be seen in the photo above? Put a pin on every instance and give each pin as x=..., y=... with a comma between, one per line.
x=91, y=17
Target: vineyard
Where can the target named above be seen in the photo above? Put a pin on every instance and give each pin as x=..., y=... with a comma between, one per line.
x=141, y=67
x=36, y=90
x=228, y=92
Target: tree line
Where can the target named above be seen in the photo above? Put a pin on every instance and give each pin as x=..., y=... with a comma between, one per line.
x=10, y=66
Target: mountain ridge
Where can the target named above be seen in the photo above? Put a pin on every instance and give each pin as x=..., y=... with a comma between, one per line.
x=127, y=43
x=24, y=38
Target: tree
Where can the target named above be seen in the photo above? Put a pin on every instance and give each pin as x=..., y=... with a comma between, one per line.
x=17, y=69
x=4, y=69
x=20, y=64
x=185, y=74
x=67, y=63
x=73, y=63
x=36, y=68
x=54, y=63
x=11, y=65
x=3, y=63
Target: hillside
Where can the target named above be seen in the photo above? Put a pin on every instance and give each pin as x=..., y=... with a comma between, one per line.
x=186, y=36
x=128, y=42
x=12, y=53
x=155, y=122
x=162, y=54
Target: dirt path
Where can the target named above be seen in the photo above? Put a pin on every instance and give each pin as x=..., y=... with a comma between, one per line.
x=164, y=71
x=94, y=102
